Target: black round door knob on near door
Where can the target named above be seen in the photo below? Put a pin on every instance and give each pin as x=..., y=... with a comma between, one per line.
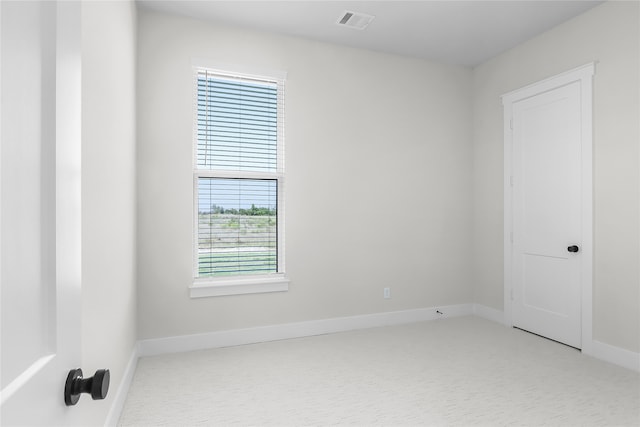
x=97, y=385
x=573, y=248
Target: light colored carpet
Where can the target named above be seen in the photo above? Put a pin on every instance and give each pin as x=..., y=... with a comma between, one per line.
x=457, y=372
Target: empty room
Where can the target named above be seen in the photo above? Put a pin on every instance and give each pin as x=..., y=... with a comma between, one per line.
x=320, y=213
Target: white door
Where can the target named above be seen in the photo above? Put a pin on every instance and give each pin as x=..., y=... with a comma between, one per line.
x=40, y=209
x=547, y=211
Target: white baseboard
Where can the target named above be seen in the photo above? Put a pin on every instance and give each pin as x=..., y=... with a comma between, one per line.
x=616, y=355
x=123, y=389
x=488, y=313
x=151, y=347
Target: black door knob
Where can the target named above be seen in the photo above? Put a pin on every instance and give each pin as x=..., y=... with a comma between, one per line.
x=573, y=248
x=97, y=385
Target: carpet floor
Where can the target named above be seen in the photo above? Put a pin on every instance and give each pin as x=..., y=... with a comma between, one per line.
x=451, y=372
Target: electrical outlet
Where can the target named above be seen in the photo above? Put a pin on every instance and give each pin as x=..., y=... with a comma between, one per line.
x=387, y=292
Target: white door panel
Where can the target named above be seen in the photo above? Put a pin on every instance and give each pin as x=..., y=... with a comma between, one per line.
x=40, y=209
x=25, y=193
x=546, y=213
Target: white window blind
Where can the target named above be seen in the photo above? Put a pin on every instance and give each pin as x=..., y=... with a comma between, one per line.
x=237, y=123
x=238, y=175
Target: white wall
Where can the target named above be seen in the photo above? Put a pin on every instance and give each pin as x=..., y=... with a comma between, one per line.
x=108, y=195
x=378, y=158
x=609, y=35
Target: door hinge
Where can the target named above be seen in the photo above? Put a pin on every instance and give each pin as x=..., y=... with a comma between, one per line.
x=511, y=236
x=511, y=124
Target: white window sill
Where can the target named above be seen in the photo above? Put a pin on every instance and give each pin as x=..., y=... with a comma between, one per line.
x=202, y=288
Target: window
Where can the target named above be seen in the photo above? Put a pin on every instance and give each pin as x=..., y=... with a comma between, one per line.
x=238, y=184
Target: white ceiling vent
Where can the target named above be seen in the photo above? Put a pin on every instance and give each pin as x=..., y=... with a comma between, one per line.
x=355, y=20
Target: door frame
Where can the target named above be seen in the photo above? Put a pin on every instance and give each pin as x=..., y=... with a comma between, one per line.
x=583, y=75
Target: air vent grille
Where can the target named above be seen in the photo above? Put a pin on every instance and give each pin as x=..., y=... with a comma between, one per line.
x=355, y=20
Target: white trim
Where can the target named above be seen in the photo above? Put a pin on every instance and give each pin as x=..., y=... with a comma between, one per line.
x=507, y=234
x=587, y=206
x=123, y=389
x=253, y=285
x=238, y=70
x=616, y=355
x=208, y=173
x=584, y=75
x=488, y=313
x=176, y=344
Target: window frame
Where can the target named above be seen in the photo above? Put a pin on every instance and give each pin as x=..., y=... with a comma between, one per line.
x=241, y=283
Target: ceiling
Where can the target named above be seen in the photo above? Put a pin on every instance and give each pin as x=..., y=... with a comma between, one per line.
x=453, y=32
